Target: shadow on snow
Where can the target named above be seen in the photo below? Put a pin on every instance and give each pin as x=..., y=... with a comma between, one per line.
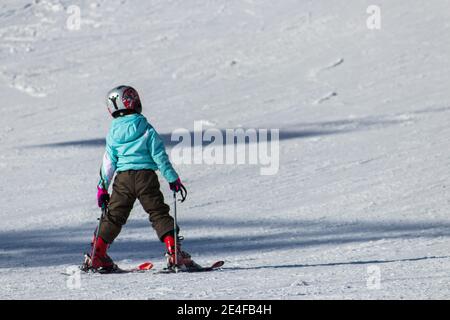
x=299, y=131
x=220, y=237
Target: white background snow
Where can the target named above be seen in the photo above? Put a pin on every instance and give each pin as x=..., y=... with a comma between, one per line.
x=364, y=121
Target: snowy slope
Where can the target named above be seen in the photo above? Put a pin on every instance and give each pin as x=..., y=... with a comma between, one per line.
x=363, y=114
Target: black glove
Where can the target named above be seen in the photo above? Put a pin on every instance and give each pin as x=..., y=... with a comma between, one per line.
x=177, y=186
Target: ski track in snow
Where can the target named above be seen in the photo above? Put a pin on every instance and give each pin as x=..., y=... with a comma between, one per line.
x=364, y=146
x=326, y=97
x=314, y=75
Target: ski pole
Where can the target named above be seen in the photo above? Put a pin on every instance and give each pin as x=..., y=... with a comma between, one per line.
x=94, y=245
x=175, y=229
x=104, y=212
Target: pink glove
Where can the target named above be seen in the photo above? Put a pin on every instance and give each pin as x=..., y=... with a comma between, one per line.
x=102, y=197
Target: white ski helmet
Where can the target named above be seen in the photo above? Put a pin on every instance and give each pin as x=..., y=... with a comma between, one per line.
x=123, y=100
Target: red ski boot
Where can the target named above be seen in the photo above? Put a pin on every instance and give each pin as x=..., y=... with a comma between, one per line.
x=101, y=261
x=184, y=261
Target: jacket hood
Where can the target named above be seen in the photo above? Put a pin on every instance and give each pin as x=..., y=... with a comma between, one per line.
x=128, y=128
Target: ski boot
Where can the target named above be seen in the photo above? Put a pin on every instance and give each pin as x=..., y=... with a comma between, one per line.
x=100, y=262
x=184, y=261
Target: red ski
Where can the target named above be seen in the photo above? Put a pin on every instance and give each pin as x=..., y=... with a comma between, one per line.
x=215, y=266
x=86, y=267
x=141, y=268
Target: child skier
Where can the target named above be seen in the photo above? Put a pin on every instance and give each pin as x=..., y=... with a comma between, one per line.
x=135, y=151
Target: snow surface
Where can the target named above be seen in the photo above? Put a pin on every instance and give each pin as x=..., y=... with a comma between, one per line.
x=363, y=114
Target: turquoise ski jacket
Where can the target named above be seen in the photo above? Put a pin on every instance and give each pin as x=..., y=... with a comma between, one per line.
x=133, y=144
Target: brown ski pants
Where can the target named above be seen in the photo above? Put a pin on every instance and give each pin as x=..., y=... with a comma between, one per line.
x=129, y=186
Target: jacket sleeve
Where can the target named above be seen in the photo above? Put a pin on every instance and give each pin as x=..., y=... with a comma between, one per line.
x=159, y=155
x=108, y=167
